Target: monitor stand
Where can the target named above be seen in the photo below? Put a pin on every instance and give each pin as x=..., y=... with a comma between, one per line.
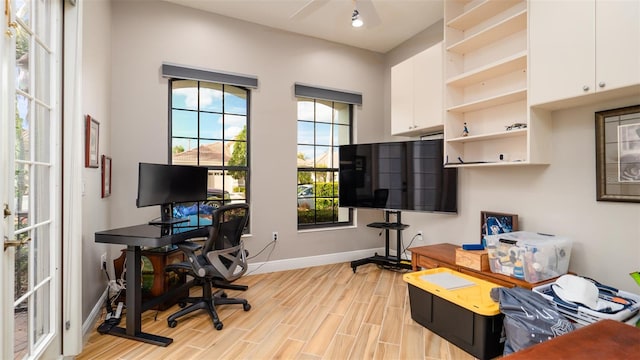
x=387, y=260
x=166, y=217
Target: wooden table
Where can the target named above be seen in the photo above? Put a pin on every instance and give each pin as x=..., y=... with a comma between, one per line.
x=433, y=256
x=605, y=339
x=155, y=281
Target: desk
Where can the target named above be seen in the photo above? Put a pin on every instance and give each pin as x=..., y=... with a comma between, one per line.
x=135, y=237
x=605, y=339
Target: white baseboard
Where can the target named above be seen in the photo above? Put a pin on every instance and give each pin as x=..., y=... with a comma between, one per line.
x=94, y=315
x=303, y=262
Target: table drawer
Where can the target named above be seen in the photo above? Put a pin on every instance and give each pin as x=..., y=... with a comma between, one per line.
x=429, y=263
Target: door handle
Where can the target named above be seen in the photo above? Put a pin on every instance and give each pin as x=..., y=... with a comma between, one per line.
x=14, y=243
x=10, y=24
x=7, y=212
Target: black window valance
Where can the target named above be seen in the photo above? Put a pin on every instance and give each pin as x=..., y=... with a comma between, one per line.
x=192, y=73
x=328, y=94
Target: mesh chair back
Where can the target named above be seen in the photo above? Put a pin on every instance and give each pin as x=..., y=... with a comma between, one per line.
x=225, y=249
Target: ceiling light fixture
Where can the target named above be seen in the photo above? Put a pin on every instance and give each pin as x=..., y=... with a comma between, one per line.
x=356, y=20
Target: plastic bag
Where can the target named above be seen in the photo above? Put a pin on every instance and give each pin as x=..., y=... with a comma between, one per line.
x=529, y=318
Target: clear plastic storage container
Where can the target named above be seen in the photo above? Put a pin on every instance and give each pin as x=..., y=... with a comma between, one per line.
x=531, y=256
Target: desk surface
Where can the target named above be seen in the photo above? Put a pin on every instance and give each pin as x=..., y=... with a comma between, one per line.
x=605, y=339
x=150, y=235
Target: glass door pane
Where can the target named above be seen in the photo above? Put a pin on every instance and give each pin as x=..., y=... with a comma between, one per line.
x=32, y=163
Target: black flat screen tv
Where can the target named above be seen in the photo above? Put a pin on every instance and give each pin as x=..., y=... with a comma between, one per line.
x=407, y=175
x=165, y=185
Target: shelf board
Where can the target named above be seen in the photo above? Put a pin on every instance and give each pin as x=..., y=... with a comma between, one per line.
x=489, y=136
x=501, y=99
x=493, y=33
x=496, y=163
x=480, y=13
x=490, y=71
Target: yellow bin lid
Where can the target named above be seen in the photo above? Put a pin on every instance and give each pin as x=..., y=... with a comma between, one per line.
x=467, y=291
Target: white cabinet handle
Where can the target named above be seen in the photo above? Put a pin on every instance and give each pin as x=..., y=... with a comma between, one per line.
x=585, y=88
x=602, y=84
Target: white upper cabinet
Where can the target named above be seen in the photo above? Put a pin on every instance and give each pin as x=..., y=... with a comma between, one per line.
x=583, y=47
x=416, y=93
x=617, y=44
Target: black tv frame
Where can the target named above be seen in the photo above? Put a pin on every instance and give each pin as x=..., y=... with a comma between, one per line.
x=411, y=172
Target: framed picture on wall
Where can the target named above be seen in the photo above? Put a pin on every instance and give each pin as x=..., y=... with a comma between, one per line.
x=492, y=223
x=618, y=154
x=92, y=132
x=106, y=176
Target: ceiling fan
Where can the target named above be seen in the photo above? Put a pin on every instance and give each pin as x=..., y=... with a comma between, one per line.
x=365, y=8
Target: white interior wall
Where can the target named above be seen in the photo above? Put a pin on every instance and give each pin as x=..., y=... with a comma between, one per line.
x=556, y=199
x=559, y=198
x=96, y=86
x=146, y=34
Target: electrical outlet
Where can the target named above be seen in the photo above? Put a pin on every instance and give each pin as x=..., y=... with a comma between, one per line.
x=419, y=233
x=103, y=261
x=274, y=235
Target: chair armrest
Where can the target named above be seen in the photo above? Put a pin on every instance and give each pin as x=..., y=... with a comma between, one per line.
x=189, y=249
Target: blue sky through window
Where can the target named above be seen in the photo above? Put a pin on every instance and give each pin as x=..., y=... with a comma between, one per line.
x=185, y=122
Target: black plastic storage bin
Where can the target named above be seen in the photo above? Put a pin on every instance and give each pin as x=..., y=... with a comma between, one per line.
x=478, y=331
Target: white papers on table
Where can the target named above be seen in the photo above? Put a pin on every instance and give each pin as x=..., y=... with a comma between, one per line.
x=447, y=280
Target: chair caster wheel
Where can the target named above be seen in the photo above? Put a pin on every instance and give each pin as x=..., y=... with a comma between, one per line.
x=182, y=304
x=224, y=295
x=218, y=325
x=172, y=323
x=246, y=307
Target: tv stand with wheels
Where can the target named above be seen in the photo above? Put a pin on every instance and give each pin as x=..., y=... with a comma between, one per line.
x=387, y=260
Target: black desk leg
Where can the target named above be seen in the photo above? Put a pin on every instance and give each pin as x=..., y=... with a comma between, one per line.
x=133, y=330
x=134, y=293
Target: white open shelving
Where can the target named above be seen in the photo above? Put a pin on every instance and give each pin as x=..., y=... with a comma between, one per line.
x=491, y=34
x=486, y=86
x=479, y=13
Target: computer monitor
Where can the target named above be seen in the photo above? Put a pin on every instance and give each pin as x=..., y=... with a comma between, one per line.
x=166, y=185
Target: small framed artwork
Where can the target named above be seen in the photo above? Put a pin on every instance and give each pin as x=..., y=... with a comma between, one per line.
x=106, y=176
x=492, y=223
x=618, y=154
x=92, y=132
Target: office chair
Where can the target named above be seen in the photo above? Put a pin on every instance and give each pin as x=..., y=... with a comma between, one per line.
x=380, y=197
x=218, y=262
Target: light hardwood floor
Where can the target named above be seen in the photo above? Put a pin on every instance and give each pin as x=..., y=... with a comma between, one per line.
x=323, y=312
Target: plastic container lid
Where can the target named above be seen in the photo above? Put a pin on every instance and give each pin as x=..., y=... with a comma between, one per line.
x=467, y=291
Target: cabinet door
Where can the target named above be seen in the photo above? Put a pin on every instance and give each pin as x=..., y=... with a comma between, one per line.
x=561, y=50
x=617, y=44
x=428, y=87
x=402, y=97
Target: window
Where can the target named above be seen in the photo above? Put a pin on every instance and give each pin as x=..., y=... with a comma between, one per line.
x=323, y=125
x=209, y=125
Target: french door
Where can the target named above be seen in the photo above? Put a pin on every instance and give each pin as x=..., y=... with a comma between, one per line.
x=30, y=177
